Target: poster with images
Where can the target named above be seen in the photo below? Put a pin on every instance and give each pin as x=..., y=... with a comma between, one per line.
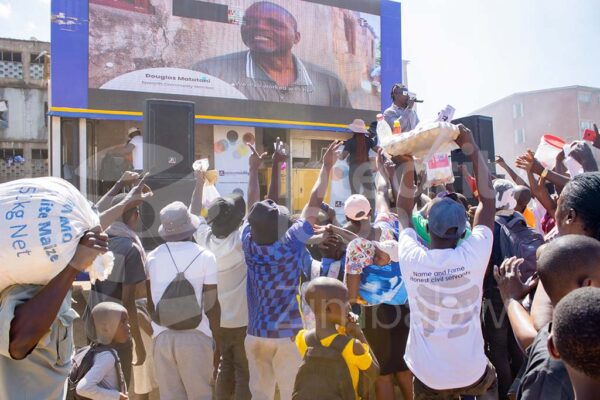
x=231, y=158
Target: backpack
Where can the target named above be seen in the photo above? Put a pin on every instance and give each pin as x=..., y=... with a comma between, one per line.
x=519, y=240
x=178, y=308
x=324, y=371
x=83, y=360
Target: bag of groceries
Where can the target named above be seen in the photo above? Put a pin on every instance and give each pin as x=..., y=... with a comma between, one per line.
x=41, y=223
x=424, y=141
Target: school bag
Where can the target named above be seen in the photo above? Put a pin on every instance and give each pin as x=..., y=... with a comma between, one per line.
x=519, y=240
x=324, y=373
x=83, y=360
x=178, y=308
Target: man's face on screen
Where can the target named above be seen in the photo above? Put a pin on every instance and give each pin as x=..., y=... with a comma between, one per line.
x=269, y=29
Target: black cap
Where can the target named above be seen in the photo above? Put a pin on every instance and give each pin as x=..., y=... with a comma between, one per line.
x=225, y=214
x=268, y=222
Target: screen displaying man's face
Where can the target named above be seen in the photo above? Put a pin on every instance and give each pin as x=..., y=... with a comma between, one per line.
x=269, y=29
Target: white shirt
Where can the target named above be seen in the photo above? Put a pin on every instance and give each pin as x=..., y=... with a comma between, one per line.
x=161, y=271
x=445, y=347
x=137, y=154
x=232, y=272
x=102, y=380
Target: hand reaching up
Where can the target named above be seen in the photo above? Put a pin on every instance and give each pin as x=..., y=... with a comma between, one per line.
x=330, y=156
x=255, y=161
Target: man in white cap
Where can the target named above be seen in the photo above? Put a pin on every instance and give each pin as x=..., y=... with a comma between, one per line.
x=183, y=331
x=356, y=153
x=133, y=149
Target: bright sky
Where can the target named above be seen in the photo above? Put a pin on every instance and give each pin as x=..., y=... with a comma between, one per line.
x=467, y=53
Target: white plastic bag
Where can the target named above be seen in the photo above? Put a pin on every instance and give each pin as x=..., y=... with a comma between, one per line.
x=41, y=222
x=424, y=141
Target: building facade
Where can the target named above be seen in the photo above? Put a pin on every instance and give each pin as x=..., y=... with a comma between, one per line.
x=23, y=108
x=521, y=119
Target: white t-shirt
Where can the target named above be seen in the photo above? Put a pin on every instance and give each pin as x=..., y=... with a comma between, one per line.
x=232, y=273
x=137, y=154
x=161, y=271
x=445, y=347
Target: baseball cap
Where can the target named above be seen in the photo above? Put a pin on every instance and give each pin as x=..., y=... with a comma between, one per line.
x=132, y=130
x=225, y=214
x=504, y=191
x=446, y=214
x=357, y=207
x=268, y=222
x=390, y=247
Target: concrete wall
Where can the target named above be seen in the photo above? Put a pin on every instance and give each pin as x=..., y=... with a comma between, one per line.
x=26, y=114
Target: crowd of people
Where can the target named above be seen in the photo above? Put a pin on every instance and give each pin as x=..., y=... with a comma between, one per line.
x=418, y=288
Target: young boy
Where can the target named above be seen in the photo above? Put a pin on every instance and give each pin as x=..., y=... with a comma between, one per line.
x=104, y=381
x=574, y=339
x=329, y=301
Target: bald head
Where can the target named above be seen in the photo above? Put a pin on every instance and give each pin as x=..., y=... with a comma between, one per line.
x=568, y=263
x=107, y=317
x=323, y=291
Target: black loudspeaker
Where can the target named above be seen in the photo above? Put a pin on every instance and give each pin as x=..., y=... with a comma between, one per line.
x=483, y=133
x=168, y=138
x=165, y=191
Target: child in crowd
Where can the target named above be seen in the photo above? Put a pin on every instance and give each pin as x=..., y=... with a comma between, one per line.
x=329, y=301
x=574, y=339
x=104, y=380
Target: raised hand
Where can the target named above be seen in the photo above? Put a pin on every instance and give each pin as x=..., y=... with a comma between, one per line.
x=92, y=244
x=255, y=161
x=508, y=277
x=279, y=155
x=464, y=137
x=129, y=177
x=138, y=193
x=330, y=156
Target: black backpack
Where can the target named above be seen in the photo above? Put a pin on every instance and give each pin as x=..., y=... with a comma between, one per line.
x=519, y=240
x=324, y=372
x=178, y=308
x=83, y=360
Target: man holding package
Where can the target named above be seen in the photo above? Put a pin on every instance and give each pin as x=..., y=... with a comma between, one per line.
x=36, y=339
x=402, y=109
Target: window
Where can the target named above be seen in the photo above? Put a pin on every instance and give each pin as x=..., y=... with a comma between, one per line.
x=517, y=110
x=350, y=33
x=584, y=97
x=39, y=154
x=7, y=153
x=10, y=56
x=520, y=136
x=35, y=58
x=3, y=114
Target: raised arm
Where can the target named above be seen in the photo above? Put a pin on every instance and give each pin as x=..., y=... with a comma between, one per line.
x=557, y=179
x=406, y=195
x=196, y=201
x=381, y=185
x=513, y=291
x=134, y=198
x=311, y=211
x=254, y=162
x=486, y=209
x=127, y=179
x=33, y=319
x=538, y=189
x=279, y=157
x=513, y=175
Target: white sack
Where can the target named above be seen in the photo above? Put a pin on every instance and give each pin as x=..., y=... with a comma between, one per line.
x=41, y=223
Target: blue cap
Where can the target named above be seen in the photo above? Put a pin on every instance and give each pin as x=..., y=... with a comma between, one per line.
x=446, y=214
